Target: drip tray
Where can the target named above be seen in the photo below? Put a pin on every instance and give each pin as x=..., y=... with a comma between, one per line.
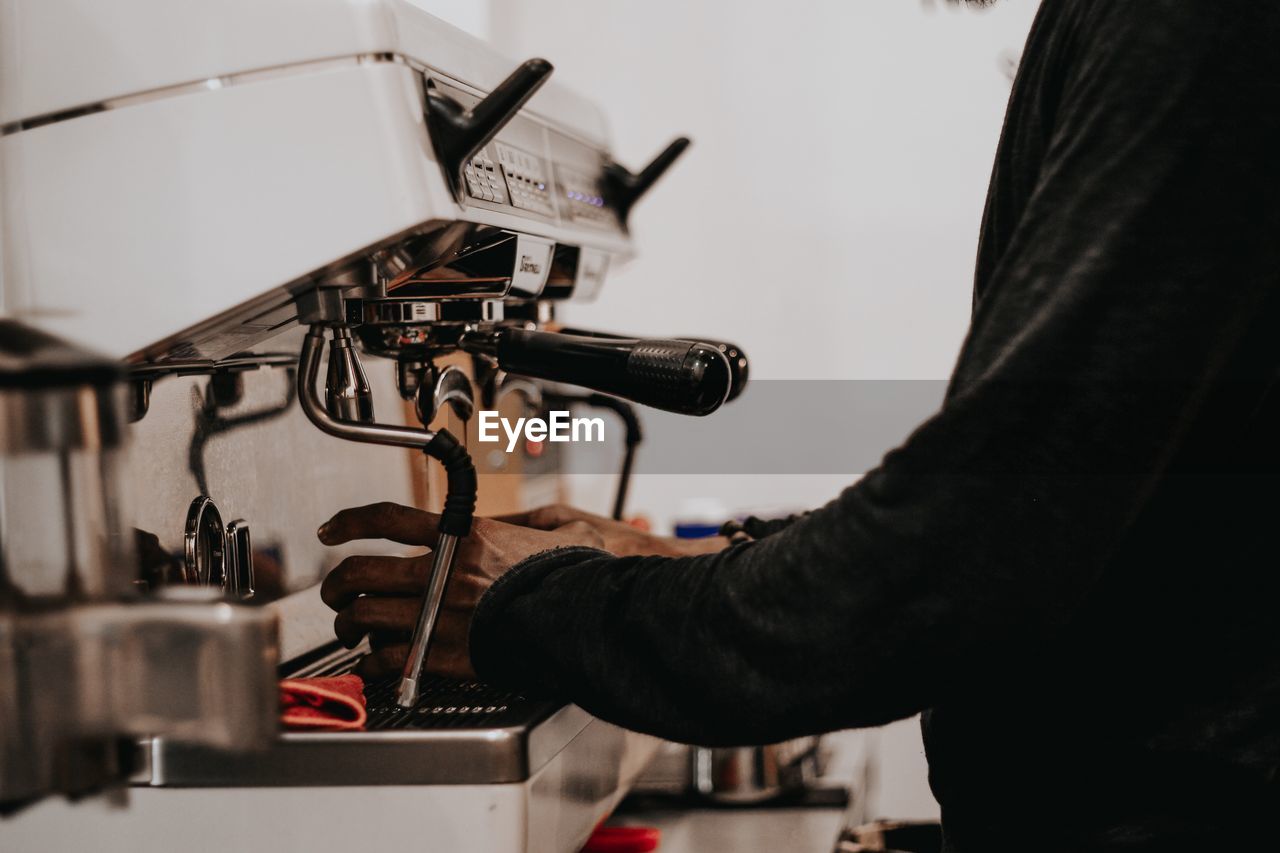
x=459, y=733
x=446, y=704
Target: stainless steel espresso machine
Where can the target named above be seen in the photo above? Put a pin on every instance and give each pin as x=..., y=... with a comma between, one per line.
x=255, y=253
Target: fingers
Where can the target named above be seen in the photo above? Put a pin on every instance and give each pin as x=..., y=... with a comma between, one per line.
x=384, y=520
x=362, y=575
x=384, y=639
x=383, y=662
x=370, y=613
x=447, y=655
x=390, y=662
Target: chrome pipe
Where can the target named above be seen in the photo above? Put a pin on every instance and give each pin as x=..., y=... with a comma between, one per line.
x=420, y=645
x=316, y=411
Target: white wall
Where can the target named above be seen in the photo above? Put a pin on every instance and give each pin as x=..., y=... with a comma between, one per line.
x=469, y=15
x=826, y=217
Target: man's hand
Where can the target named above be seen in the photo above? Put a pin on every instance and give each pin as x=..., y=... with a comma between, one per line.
x=381, y=596
x=618, y=537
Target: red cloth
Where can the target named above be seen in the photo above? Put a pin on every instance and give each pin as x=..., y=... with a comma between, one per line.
x=326, y=704
x=623, y=839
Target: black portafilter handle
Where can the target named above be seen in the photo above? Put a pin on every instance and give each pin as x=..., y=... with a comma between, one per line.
x=685, y=377
x=739, y=367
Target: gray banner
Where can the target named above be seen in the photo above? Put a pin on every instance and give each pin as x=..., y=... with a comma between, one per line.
x=775, y=427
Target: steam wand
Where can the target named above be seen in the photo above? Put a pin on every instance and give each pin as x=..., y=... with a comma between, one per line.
x=459, y=502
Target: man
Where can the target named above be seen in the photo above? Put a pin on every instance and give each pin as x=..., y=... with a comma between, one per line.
x=1070, y=569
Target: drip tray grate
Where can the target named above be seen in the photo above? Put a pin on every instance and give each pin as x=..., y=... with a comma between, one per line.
x=444, y=703
x=459, y=733
x=447, y=704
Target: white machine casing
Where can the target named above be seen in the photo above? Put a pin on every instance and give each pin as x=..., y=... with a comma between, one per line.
x=173, y=175
x=174, y=172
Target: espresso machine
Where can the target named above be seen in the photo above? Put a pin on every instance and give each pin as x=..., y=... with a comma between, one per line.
x=258, y=257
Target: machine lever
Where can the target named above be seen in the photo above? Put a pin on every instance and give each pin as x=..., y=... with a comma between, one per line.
x=458, y=134
x=739, y=367
x=623, y=188
x=685, y=377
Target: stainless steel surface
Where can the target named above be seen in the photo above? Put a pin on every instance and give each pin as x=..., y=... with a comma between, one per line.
x=318, y=414
x=411, y=375
x=197, y=671
x=240, y=560
x=198, y=86
x=506, y=384
x=204, y=544
x=347, y=393
x=551, y=811
x=259, y=459
x=460, y=733
x=754, y=774
x=61, y=527
x=452, y=388
x=78, y=417
x=427, y=757
x=85, y=663
x=61, y=438
x=420, y=644
x=450, y=261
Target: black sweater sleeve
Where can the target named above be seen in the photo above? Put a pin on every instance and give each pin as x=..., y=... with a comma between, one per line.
x=1137, y=263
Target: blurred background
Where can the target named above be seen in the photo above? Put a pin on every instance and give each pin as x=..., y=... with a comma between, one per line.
x=826, y=217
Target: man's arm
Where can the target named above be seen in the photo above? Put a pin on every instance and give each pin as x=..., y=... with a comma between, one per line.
x=1144, y=254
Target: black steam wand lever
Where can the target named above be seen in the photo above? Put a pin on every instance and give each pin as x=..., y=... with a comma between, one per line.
x=685, y=377
x=458, y=133
x=623, y=188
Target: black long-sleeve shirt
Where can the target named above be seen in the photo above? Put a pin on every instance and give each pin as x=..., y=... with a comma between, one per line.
x=1072, y=568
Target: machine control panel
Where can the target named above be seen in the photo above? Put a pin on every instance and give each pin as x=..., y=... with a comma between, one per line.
x=581, y=198
x=535, y=171
x=527, y=179
x=484, y=178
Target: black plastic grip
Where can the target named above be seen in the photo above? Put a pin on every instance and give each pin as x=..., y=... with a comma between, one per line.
x=460, y=497
x=686, y=377
x=739, y=367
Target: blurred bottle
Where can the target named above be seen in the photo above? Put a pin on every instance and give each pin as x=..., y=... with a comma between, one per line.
x=698, y=518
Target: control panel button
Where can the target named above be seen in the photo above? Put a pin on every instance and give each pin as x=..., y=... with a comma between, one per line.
x=527, y=179
x=483, y=179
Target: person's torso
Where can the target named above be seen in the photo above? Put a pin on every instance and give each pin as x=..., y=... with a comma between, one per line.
x=1156, y=716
